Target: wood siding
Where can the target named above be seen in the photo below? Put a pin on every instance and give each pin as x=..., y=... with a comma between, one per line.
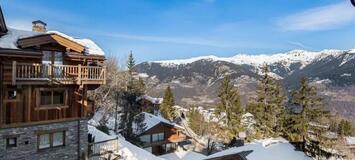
x=171, y=134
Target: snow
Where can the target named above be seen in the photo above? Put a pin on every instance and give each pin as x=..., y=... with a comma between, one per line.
x=350, y=140
x=143, y=75
x=129, y=151
x=13, y=35
x=183, y=155
x=288, y=58
x=151, y=99
x=346, y=75
x=10, y=39
x=347, y=58
x=267, y=149
x=91, y=48
x=151, y=120
x=99, y=135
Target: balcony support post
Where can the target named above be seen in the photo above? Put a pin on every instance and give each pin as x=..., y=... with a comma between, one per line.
x=79, y=74
x=13, y=73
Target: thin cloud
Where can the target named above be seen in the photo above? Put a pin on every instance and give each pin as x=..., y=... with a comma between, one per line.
x=320, y=18
x=165, y=39
x=300, y=45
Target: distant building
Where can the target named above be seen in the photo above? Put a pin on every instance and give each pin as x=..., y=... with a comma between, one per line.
x=159, y=135
x=149, y=104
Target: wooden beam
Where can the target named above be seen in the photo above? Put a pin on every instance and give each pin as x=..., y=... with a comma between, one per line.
x=29, y=103
x=13, y=72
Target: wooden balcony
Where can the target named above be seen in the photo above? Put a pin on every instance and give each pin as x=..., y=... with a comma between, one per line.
x=31, y=73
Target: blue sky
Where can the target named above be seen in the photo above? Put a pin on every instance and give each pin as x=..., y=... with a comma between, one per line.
x=172, y=29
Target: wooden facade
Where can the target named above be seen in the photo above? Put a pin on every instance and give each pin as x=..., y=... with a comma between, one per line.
x=46, y=79
x=172, y=136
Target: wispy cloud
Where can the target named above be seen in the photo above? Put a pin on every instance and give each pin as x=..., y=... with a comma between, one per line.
x=301, y=45
x=320, y=18
x=169, y=39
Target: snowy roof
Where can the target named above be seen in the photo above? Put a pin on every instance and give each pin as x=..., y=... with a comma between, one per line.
x=99, y=135
x=350, y=140
x=129, y=151
x=91, y=48
x=151, y=99
x=247, y=115
x=267, y=149
x=151, y=120
x=13, y=35
x=9, y=40
x=183, y=155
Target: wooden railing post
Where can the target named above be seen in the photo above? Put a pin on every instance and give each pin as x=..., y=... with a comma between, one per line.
x=79, y=73
x=14, y=72
x=105, y=74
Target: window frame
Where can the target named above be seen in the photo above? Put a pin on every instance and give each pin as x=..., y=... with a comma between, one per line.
x=158, y=137
x=8, y=146
x=52, y=105
x=51, y=140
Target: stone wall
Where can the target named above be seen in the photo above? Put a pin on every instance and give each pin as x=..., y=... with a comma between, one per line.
x=27, y=142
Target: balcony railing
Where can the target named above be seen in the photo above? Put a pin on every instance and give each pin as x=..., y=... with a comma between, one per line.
x=56, y=73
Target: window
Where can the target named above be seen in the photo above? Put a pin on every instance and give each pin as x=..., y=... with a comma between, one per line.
x=11, y=142
x=53, y=97
x=58, y=139
x=11, y=95
x=49, y=140
x=44, y=141
x=158, y=137
x=145, y=138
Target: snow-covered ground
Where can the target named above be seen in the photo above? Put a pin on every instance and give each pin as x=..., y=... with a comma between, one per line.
x=267, y=149
x=183, y=155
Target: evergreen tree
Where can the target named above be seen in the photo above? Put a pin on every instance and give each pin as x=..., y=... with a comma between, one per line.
x=195, y=119
x=268, y=107
x=131, y=63
x=129, y=106
x=229, y=108
x=345, y=128
x=166, y=108
x=307, y=98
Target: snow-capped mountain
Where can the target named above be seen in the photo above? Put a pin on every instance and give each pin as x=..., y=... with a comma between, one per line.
x=196, y=80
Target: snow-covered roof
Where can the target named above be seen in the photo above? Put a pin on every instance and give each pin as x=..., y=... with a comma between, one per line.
x=91, y=48
x=267, y=149
x=99, y=135
x=151, y=99
x=13, y=35
x=350, y=140
x=129, y=151
x=183, y=155
x=9, y=40
x=151, y=120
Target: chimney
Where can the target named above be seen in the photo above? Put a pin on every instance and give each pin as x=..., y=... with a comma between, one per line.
x=39, y=26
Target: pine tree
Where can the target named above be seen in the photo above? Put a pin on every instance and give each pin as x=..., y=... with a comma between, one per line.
x=268, y=107
x=166, y=108
x=229, y=107
x=195, y=119
x=307, y=98
x=131, y=63
x=345, y=128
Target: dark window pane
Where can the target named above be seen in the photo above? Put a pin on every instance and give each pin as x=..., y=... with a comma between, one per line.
x=58, y=97
x=47, y=57
x=46, y=97
x=12, y=94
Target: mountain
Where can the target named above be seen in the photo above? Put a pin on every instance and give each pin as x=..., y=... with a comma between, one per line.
x=196, y=80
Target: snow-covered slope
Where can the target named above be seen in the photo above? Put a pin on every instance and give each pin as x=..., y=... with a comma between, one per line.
x=295, y=56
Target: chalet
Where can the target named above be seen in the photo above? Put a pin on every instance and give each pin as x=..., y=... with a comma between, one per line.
x=149, y=104
x=159, y=135
x=44, y=79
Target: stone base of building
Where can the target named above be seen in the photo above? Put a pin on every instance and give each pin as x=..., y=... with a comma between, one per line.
x=27, y=141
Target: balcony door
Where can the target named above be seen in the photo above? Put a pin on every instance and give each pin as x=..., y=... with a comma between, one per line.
x=55, y=59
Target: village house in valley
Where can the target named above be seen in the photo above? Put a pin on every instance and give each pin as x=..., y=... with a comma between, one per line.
x=44, y=79
x=159, y=135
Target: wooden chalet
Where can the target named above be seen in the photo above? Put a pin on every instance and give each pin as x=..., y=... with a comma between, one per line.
x=44, y=79
x=160, y=136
